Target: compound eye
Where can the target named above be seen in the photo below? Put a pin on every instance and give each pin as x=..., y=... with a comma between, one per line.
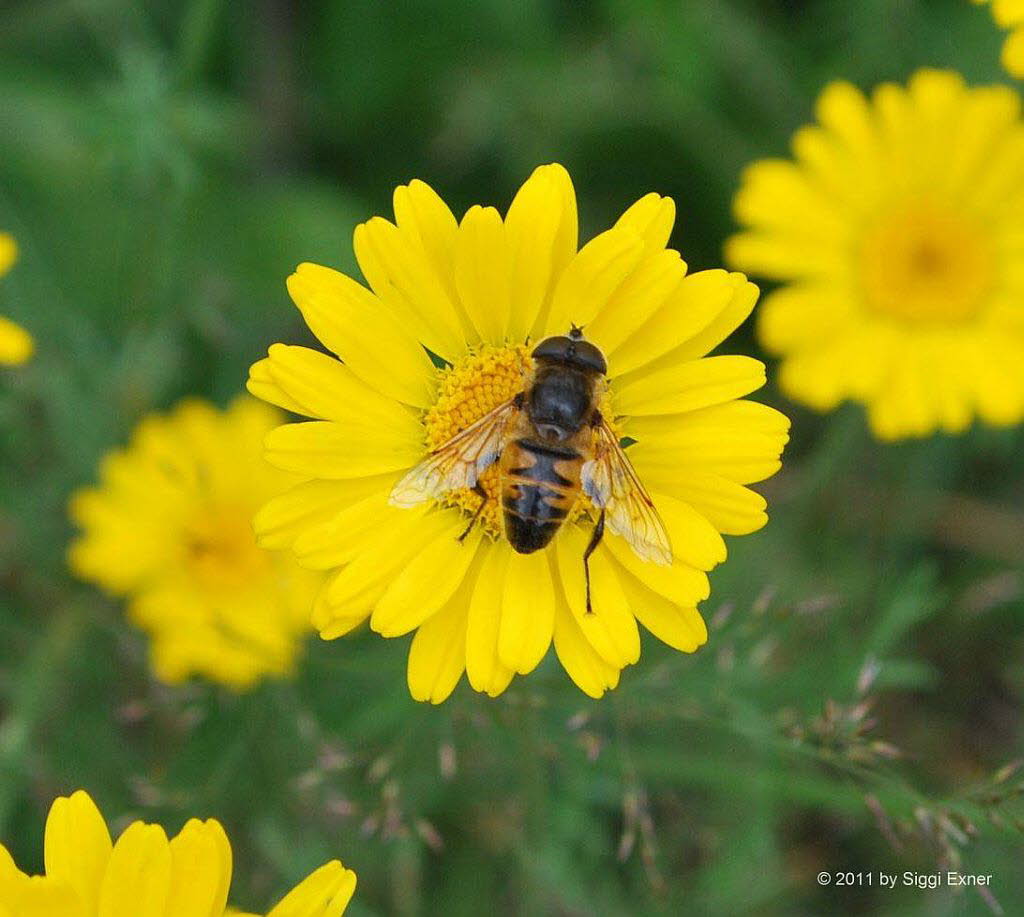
x=589, y=356
x=555, y=348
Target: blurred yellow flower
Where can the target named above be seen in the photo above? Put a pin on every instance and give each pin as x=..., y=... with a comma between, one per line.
x=897, y=235
x=144, y=874
x=170, y=526
x=473, y=294
x=1009, y=14
x=16, y=345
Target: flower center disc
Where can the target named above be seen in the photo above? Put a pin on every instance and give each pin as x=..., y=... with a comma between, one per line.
x=926, y=264
x=221, y=548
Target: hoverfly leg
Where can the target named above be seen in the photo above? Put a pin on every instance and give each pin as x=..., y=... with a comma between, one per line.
x=595, y=540
x=477, y=489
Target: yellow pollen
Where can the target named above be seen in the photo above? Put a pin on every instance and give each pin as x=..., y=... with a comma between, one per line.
x=487, y=378
x=221, y=549
x=926, y=264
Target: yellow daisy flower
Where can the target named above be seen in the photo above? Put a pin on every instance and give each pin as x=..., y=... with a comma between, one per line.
x=144, y=874
x=170, y=527
x=1009, y=14
x=896, y=234
x=477, y=295
x=16, y=345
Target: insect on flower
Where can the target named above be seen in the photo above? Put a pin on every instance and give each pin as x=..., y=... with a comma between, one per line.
x=551, y=442
x=518, y=386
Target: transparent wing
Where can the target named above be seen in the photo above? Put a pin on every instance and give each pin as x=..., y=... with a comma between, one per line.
x=459, y=462
x=611, y=482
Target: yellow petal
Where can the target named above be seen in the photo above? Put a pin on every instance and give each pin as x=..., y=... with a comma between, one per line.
x=894, y=117
x=331, y=620
x=1013, y=54
x=592, y=675
x=404, y=279
x=731, y=508
x=281, y=521
x=541, y=228
x=336, y=542
x=985, y=122
x=935, y=90
x=591, y=278
x=772, y=254
x=994, y=377
x=261, y=385
x=841, y=192
x=138, y=877
x=16, y=344
x=845, y=112
x=483, y=666
x=428, y=581
x=681, y=627
x=527, y=612
x=400, y=536
x=39, y=896
x=694, y=540
x=798, y=215
x=324, y=449
x=739, y=440
x=8, y=870
x=703, y=309
x=611, y=627
x=681, y=583
x=117, y=551
x=437, y=657
x=689, y=386
x=735, y=313
x=855, y=363
x=810, y=214
x=781, y=200
x=646, y=290
x=200, y=871
x=77, y=846
x=651, y=218
x=353, y=323
x=482, y=273
x=329, y=390
x=420, y=212
x=917, y=399
x=803, y=314
x=324, y=893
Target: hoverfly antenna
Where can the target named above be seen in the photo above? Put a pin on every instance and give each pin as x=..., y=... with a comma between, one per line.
x=576, y=331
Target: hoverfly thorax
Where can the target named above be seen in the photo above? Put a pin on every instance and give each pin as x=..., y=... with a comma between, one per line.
x=561, y=400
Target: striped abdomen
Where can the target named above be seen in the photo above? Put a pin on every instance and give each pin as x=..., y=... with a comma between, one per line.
x=539, y=486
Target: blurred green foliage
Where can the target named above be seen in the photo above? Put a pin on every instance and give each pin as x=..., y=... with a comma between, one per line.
x=164, y=166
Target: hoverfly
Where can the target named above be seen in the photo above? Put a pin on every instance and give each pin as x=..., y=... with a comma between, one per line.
x=551, y=443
